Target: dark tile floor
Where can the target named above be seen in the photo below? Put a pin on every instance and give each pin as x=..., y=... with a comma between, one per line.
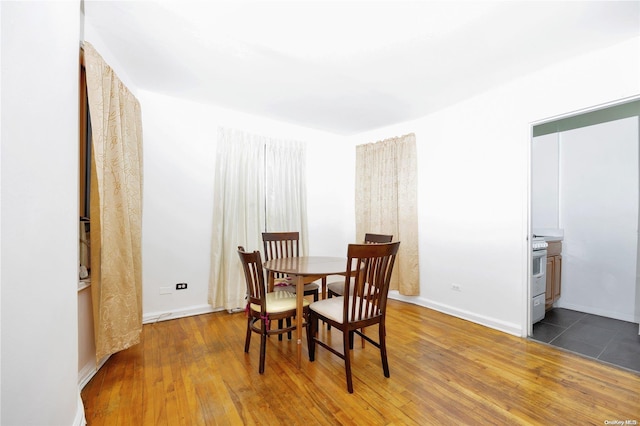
x=609, y=340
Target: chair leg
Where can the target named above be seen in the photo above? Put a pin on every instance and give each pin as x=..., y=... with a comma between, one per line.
x=347, y=359
x=324, y=287
x=311, y=342
x=280, y=326
x=329, y=296
x=263, y=350
x=383, y=350
x=309, y=329
x=289, y=332
x=247, y=339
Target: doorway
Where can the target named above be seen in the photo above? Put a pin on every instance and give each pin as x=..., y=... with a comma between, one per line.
x=585, y=193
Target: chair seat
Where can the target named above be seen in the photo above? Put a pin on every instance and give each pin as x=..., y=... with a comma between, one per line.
x=332, y=308
x=337, y=287
x=279, y=301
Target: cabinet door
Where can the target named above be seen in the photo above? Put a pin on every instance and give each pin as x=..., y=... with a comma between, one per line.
x=548, y=293
x=557, y=274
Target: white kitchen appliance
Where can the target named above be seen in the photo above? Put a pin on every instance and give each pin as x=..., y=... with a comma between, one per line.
x=538, y=278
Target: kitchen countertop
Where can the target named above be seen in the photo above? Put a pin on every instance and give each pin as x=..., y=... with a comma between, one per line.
x=552, y=239
x=550, y=235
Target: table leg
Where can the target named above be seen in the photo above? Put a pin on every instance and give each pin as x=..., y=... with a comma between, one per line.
x=270, y=281
x=299, y=311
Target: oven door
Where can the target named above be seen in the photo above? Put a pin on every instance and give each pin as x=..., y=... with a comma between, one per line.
x=539, y=276
x=539, y=264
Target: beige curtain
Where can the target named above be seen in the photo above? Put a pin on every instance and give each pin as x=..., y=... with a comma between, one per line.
x=116, y=208
x=386, y=203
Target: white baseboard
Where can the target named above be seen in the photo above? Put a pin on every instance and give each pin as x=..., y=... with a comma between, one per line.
x=86, y=374
x=152, y=317
x=88, y=371
x=80, y=419
x=506, y=327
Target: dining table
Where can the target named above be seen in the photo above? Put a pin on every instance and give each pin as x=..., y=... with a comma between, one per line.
x=299, y=268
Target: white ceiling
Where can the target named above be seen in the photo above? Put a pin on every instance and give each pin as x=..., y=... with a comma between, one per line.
x=347, y=66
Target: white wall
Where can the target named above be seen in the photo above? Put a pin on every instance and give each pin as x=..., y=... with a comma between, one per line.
x=91, y=35
x=39, y=216
x=179, y=160
x=544, y=182
x=474, y=168
x=599, y=215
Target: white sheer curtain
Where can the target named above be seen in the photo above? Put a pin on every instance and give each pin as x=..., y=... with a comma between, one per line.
x=286, y=196
x=260, y=185
x=386, y=202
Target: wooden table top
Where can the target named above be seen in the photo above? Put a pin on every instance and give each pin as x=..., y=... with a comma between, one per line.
x=307, y=265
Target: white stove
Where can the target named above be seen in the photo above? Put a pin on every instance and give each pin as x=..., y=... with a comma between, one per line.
x=539, y=243
x=538, y=278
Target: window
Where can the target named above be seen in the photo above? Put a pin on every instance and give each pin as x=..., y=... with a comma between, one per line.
x=84, y=253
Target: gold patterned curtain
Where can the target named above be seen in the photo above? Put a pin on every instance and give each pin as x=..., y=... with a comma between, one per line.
x=386, y=203
x=116, y=208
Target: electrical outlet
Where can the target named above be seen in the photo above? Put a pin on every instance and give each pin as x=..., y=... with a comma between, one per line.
x=181, y=286
x=456, y=287
x=165, y=290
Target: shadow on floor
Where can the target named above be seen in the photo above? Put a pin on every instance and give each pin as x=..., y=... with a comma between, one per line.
x=606, y=339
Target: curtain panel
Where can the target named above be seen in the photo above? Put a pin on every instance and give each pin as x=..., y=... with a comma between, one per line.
x=260, y=185
x=285, y=190
x=115, y=208
x=238, y=213
x=386, y=203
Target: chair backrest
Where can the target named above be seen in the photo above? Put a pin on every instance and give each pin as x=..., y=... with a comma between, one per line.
x=377, y=238
x=280, y=244
x=372, y=267
x=254, y=276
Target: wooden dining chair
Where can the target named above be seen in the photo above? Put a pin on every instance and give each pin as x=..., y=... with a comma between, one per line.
x=371, y=266
x=286, y=244
x=264, y=309
x=336, y=288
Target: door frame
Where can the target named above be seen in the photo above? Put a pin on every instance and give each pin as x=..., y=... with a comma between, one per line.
x=609, y=111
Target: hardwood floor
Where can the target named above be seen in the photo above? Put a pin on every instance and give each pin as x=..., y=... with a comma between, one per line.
x=193, y=371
